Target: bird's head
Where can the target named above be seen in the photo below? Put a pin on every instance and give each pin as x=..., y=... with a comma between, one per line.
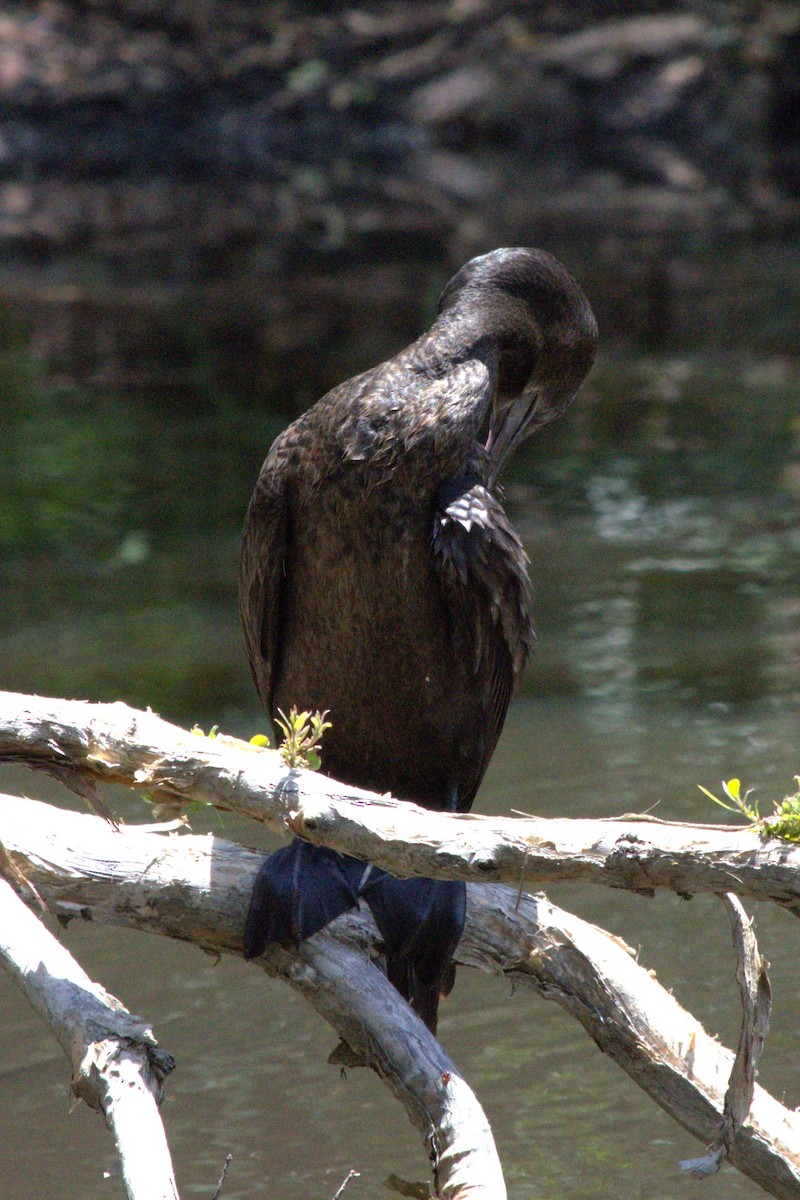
x=539, y=325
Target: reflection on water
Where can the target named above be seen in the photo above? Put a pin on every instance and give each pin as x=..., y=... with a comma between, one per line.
x=661, y=518
x=661, y=522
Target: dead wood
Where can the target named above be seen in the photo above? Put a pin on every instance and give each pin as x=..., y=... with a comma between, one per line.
x=117, y=1066
x=85, y=744
x=197, y=888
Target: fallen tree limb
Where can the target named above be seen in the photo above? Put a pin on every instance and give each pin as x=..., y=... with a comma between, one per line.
x=117, y=1066
x=87, y=744
x=197, y=889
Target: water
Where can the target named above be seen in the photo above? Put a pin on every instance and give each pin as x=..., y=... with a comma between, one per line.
x=661, y=520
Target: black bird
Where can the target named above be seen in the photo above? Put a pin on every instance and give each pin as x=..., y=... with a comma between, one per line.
x=380, y=579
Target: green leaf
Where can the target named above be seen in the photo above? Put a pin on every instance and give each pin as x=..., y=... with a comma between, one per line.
x=716, y=799
x=259, y=739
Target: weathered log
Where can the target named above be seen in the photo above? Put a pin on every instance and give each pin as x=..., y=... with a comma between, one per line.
x=751, y=971
x=197, y=888
x=87, y=744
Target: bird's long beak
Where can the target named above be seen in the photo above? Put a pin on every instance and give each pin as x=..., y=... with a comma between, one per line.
x=511, y=423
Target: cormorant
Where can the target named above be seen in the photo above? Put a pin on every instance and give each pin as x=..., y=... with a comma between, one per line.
x=381, y=579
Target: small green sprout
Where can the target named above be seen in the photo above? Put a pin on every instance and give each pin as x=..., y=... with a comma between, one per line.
x=198, y=732
x=302, y=734
x=733, y=790
x=784, y=821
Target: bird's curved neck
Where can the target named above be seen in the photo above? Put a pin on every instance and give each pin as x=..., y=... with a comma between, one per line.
x=421, y=415
x=453, y=379
x=453, y=339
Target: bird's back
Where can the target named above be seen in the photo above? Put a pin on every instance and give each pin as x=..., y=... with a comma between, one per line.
x=373, y=628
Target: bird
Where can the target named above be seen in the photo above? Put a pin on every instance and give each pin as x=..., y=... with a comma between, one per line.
x=381, y=580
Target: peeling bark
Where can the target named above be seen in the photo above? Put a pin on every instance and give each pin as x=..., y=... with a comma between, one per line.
x=88, y=744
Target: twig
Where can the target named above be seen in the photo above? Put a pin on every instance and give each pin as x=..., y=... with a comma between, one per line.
x=751, y=972
x=351, y=1174
x=228, y=1161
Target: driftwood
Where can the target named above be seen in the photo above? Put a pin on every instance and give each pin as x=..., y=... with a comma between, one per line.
x=162, y=884
x=197, y=889
x=117, y=1066
x=87, y=744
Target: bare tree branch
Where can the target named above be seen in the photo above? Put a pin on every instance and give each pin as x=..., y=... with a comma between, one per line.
x=117, y=1067
x=751, y=971
x=197, y=888
x=86, y=744
x=633, y=1019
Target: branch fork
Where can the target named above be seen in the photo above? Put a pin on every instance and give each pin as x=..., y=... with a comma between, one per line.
x=138, y=876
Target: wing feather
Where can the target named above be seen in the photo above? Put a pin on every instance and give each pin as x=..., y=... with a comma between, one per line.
x=482, y=569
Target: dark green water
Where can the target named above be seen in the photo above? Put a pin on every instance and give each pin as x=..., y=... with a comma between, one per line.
x=661, y=520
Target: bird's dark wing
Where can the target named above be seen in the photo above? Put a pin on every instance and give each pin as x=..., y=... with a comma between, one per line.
x=265, y=548
x=300, y=888
x=421, y=922
x=482, y=568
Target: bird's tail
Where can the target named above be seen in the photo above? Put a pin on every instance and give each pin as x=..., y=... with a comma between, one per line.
x=421, y=922
x=298, y=891
x=302, y=888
